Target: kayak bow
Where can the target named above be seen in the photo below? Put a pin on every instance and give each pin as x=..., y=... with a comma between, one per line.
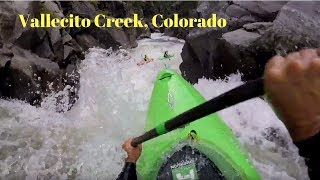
x=212, y=138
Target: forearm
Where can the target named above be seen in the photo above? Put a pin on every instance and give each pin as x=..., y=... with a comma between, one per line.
x=128, y=172
x=310, y=150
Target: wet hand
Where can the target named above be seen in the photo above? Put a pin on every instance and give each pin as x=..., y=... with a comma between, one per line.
x=132, y=152
x=293, y=85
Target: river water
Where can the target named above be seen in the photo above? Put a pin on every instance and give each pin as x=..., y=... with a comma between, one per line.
x=85, y=142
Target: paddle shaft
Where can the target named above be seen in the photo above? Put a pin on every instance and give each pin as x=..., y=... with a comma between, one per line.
x=239, y=94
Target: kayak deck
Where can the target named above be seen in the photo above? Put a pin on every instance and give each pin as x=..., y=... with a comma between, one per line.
x=171, y=96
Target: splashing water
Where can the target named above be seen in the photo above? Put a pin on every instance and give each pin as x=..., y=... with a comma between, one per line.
x=85, y=142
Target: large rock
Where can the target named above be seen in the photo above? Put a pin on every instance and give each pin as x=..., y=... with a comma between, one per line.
x=27, y=76
x=44, y=50
x=196, y=53
x=260, y=27
x=267, y=10
x=112, y=37
x=84, y=9
x=236, y=11
x=248, y=49
x=215, y=55
x=113, y=8
x=52, y=7
x=296, y=26
x=236, y=16
x=240, y=38
x=240, y=12
x=10, y=25
x=71, y=52
x=191, y=68
x=86, y=41
x=7, y=17
x=207, y=8
x=236, y=23
x=30, y=38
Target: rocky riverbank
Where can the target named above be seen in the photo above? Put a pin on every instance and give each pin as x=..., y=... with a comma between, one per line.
x=37, y=62
x=256, y=32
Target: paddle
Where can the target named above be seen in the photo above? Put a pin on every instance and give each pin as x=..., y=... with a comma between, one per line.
x=237, y=95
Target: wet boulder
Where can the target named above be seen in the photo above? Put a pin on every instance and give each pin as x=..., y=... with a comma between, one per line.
x=215, y=55
x=27, y=76
x=199, y=47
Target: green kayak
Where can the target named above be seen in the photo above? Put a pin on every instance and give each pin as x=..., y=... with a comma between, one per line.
x=204, y=149
x=166, y=58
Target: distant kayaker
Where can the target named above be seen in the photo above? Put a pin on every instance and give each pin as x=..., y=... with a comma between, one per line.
x=292, y=84
x=166, y=55
x=146, y=58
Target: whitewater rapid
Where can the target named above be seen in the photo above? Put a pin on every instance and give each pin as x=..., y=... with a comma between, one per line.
x=85, y=142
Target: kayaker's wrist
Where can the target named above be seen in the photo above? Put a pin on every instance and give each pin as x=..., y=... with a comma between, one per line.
x=131, y=160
